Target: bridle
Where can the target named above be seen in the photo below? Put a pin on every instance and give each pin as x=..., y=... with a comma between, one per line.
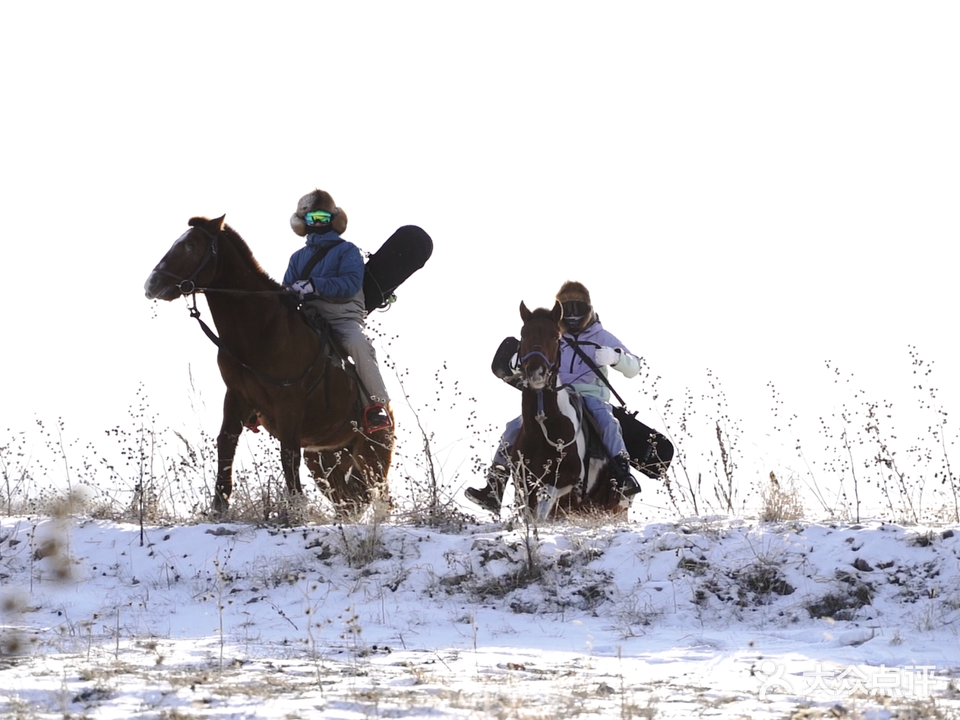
x=537, y=352
x=551, y=366
x=188, y=286
x=550, y=385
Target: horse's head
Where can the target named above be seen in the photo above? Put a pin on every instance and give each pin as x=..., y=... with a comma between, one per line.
x=189, y=264
x=539, y=344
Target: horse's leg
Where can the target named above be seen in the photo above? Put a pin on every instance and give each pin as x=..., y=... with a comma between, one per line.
x=290, y=462
x=548, y=497
x=235, y=409
x=344, y=483
x=549, y=500
x=327, y=468
x=603, y=493
x=372, y=456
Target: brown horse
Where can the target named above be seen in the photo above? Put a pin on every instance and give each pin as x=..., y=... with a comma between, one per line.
x=276, y=369
x=549, y=460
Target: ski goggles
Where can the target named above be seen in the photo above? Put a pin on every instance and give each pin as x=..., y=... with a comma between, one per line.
x=575, y=309
x=318, y=217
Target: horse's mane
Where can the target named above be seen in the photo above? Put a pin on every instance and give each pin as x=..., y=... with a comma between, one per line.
x=246, y=255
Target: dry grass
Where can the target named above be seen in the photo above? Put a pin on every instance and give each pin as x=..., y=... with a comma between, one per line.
x=780, y=501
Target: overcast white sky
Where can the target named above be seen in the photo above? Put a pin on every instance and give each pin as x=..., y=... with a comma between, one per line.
x=750, y=187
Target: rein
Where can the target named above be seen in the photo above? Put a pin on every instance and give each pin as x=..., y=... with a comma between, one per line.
x=215, y=339
x=188, y=286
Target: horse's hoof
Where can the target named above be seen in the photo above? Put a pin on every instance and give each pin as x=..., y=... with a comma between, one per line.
x=220, y=505
x=293, y=510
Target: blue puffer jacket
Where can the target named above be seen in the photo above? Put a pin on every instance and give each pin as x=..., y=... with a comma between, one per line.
x=338, y=275
x=574, y=371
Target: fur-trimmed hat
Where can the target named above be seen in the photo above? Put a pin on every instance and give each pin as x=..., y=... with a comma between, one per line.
x=318, y=200
x=573, y=291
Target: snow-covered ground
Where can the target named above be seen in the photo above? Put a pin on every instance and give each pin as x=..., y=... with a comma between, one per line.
x=701, y=618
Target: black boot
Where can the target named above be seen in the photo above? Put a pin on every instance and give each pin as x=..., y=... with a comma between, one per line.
x=626, y=483
x=490, y=496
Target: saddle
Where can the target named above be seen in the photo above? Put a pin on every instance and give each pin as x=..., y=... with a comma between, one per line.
x=329, y=345
x=591, y=431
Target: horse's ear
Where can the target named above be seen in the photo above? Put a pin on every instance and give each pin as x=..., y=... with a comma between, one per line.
x=524, y=313
x=557, y=313
x=215, y=225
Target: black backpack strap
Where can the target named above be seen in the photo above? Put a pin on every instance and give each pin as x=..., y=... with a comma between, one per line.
x=593, y=366
x=319, y=255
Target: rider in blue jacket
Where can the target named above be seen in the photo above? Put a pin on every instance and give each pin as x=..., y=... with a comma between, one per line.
x=582, y=329
x=333, y=288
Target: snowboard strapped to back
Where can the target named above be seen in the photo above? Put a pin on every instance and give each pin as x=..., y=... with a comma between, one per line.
x=650, y=451
x=404, y=252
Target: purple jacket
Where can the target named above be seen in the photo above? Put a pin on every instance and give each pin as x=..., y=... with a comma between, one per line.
x=574, y=371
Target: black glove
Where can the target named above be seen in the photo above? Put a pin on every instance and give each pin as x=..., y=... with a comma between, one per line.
x=501, y=366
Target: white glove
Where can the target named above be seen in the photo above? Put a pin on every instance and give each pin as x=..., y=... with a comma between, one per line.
x=302, y=288
x=606, y=356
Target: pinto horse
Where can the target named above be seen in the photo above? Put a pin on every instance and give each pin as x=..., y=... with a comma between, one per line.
x=276, y=369
x=549, y=460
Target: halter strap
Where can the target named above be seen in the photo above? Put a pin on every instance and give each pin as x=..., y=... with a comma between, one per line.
x=215, y=339
x=539, y=354
x=187, y=286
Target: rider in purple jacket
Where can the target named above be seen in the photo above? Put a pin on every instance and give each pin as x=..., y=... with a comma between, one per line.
x=582, y=330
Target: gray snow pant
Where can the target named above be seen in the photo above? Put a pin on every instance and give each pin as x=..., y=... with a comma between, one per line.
x=347, y=321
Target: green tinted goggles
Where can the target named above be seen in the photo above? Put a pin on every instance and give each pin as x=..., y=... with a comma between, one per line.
x=318, y=217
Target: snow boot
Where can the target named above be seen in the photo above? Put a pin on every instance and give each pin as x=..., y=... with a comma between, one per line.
x=627, y=484
x=490, y=496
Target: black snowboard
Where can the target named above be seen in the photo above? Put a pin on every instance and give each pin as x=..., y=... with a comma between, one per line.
x=404, y=252
x=650, y=451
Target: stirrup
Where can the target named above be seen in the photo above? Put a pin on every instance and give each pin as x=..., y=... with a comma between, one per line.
x=376, y=417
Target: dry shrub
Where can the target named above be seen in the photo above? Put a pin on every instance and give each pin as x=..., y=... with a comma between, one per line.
x=780, y=501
